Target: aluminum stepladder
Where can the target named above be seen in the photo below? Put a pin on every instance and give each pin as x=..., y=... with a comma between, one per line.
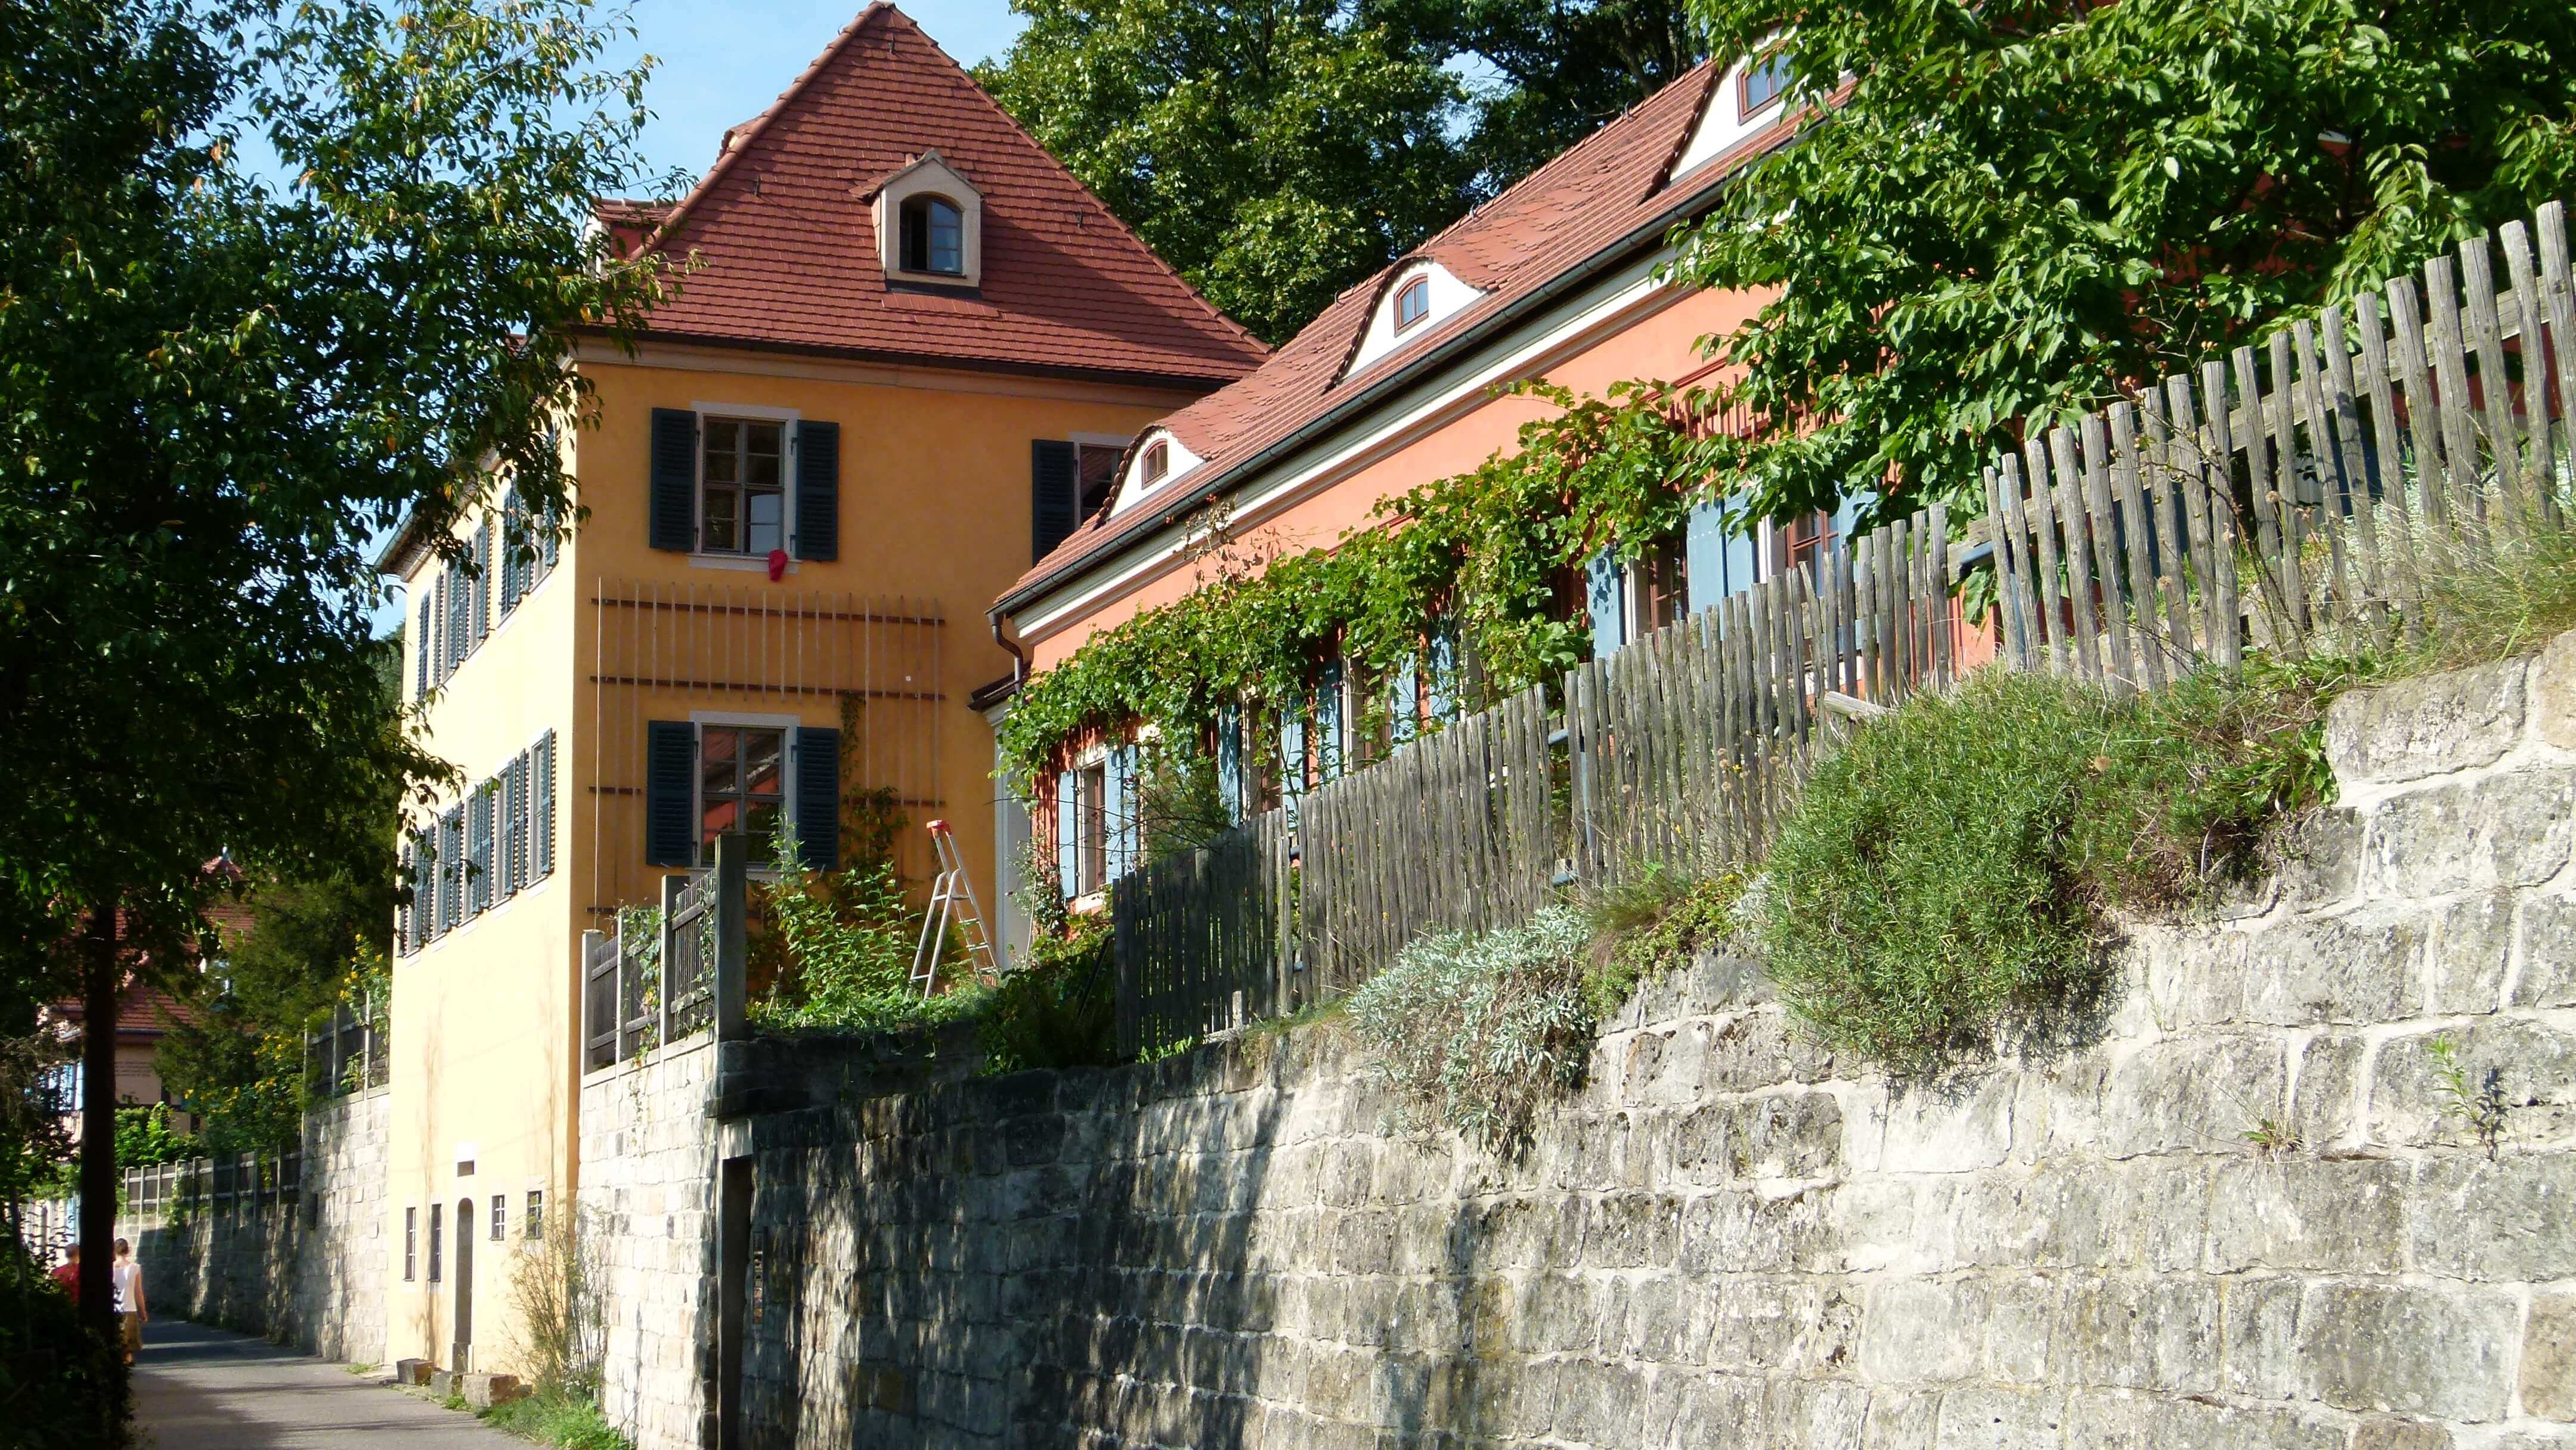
x=952, y=903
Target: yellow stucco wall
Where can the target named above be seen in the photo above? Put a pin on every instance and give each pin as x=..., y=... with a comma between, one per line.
x=934, y=508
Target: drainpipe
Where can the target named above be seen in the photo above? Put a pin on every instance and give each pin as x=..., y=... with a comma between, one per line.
x=1019, y=656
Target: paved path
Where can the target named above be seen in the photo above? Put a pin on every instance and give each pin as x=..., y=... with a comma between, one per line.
x=204, y=1389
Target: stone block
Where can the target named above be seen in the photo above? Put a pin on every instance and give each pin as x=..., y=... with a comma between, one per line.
x=2148, y=1334
x=1951, y=1126
x=1923, y=1331
x=2394, y=1434
x=2346, y=969
x=2553, y=692
x=2127, y=1420
x=2535, y=1063
x=2549, y=1352
x=483, y=1391
x=2326, y=1098
x=1989, y=1419
x=442, y=1383
x=2293, y=1211
x=2320, y=857
x=2179, y=1095
x=2508, y=1220
x=2464, y=969
x=2509, y=829
x=2433, y=725
x=2545, y=949
x=2408, y=1349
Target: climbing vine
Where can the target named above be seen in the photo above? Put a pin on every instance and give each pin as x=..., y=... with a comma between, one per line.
x=1482, y=553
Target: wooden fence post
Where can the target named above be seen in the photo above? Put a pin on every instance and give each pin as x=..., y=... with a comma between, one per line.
x=672, y=888
x=733, y=937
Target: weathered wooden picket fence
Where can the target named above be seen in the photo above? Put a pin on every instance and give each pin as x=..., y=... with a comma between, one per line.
x=2316, y=491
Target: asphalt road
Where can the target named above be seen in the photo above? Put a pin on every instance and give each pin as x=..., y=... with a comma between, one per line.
x=205, y=1389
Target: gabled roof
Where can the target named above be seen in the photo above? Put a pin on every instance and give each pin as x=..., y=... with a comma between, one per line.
x=1601, y=200
x=787, y=238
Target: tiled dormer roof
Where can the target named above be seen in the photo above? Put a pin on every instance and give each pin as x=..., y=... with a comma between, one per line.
x=1603, y=198
x=787, y=238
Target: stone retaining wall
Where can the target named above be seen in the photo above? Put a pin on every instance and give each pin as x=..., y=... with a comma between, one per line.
x=2243, y=1214
x=309, y=1270
x=647, y=1206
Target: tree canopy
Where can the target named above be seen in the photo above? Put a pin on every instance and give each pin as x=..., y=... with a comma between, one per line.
x=222, y=381
x=1277, y=153
x=2016, y=212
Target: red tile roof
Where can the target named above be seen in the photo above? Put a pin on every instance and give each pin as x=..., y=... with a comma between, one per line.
x=784, y=227
x=1599, y=200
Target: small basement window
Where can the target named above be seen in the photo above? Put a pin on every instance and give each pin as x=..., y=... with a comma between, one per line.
x=934, y=236
x=1413, y=303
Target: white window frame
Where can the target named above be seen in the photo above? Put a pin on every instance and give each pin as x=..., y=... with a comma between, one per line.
x=790, y=437
x=787, y=725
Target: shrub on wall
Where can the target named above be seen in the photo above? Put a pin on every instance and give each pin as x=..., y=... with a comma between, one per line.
x=1477, y=1031
x=1952, y=865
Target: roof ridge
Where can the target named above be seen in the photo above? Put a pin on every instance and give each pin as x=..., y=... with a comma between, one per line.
x=1084, y=188
x=751, y=130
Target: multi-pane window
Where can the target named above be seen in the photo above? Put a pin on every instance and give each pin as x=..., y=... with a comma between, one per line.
x=1806, y=539
x=1156, y=465
x=1091, y=827
x=934, y=236
x=535, y=1219
x=742, y=504
x=411, y=1244
x=1412, y=303
x=437, y=1242
x=1764, y=82
x=1662, y=586
x=500, y=1215
x=742, y=785
x=1098, y=466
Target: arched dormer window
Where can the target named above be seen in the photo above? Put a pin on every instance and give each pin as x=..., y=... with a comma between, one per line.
x=930, y=224
x=1412, y=303
x=934, y=236
x=1157, y=460
x=1155, y=466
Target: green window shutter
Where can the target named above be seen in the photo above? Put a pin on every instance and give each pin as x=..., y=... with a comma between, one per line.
x=420, y=647
x=542, y=845
x=818, y=490
x=513, y=541
x=674, y=525
x=670, y=793
x=818, y=798
x=1055, y=495
x=403, y=939
x=1605, y=592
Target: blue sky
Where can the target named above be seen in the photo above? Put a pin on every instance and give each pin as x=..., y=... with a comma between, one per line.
x=725, y=62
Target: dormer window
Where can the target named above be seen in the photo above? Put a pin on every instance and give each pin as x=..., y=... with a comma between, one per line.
x=1155, y=466
x=1412, y=303
x=930, y=223
x=1765, y=81
x=934, y=236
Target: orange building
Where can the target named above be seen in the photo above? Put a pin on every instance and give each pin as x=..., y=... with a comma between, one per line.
x=869, y=410
x=1393, y=387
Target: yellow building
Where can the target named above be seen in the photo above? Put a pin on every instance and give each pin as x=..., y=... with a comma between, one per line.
x=905, y=369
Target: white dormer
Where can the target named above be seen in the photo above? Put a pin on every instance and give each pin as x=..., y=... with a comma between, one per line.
x=930, y=225
x=1414, y=300
x=1750, y=98
x=1154, y=465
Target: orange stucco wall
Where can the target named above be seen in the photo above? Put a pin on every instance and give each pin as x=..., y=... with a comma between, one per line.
x=1656, y=339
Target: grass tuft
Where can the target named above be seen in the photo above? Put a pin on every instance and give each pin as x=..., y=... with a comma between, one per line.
x=558, y=1419
x=1477, y=1031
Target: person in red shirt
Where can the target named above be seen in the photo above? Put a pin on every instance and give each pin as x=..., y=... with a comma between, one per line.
x=67, y=1273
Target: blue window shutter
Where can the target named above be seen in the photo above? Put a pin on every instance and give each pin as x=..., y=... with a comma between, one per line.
x=670, y=793
x=818, y=797
x=502, y=801
x=1292, y=753
x=1440, y=693
x=506, y=857
x=1605, y=593
x=545, y=546
x=1704, y=554
x=675, y=480
x=437, y=633
x=1847, y=513
x=1404, y=701
x=1330, y=739
x=451, y=870
x=1068, y=838
x=818, y=490
x=1229, y=761
x=420, y=648
x=1055, y=495
x=542, y=846
x=478, y=851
